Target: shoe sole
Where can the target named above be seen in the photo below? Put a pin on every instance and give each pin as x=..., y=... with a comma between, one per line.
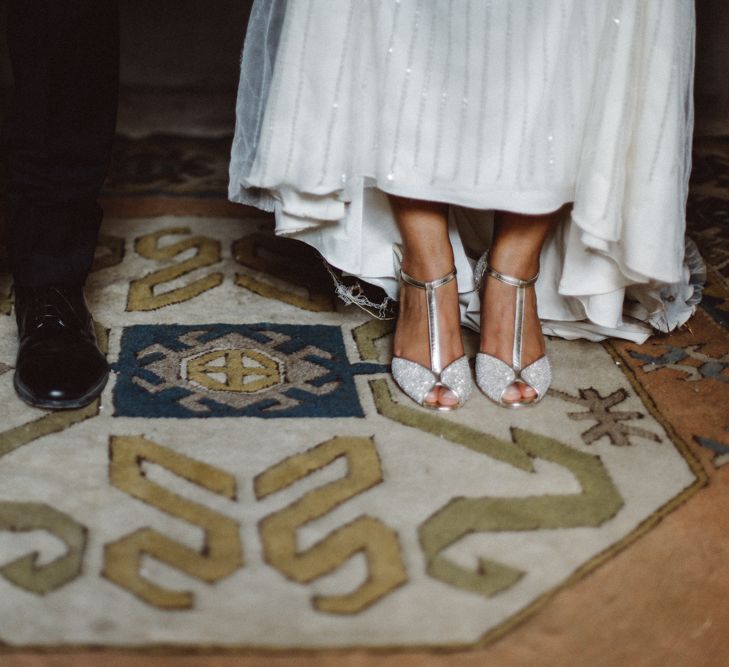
x=81, y=402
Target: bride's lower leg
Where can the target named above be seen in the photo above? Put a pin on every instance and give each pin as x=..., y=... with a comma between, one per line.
x=515, y=251
x=427, y=255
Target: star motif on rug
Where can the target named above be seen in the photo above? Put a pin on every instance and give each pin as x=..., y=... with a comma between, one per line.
x=4, y=368
x=710, y=367
x=610, y=424
x=719, y=448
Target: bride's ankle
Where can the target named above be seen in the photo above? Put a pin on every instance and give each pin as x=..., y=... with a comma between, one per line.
x=516, y=265
x=427, y=272
x=429, y=266
x=498, y=318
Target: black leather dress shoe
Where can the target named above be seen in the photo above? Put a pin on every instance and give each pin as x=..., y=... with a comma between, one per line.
x=59, y=363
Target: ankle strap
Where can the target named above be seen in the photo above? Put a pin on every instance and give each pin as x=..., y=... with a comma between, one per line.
x=428, y=284
x=510, y=280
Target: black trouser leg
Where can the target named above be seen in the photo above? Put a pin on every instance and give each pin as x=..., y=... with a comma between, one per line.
x=58, y=137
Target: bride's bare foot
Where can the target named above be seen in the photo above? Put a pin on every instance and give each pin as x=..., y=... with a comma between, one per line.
x=515, y=251
x=428, y=255
x=411, y=334
x=498, y=302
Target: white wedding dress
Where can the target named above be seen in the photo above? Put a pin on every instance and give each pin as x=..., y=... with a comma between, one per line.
x=518, y=105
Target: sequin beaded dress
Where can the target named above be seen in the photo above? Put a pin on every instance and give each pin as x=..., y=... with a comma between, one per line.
x=519, y=105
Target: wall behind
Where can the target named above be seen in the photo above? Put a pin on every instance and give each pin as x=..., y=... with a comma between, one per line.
x=182, y=42
x=712, y=58
x=175, y=43
x=5, y=77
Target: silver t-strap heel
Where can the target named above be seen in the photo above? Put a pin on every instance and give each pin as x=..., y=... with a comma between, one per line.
x=494, y=376
x=416, y=380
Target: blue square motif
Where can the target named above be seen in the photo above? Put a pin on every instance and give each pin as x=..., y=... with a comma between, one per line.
x=235, y=370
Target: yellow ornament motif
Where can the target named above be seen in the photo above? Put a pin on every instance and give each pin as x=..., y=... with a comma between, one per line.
x=245, y=371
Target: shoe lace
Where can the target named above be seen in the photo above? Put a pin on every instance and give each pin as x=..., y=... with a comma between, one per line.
x=49, y=307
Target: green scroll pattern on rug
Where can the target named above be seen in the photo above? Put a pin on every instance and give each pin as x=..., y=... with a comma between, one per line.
x=26, y=572
x=598, y=501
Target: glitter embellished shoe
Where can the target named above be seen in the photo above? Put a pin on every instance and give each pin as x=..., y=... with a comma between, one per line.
x=494, y=376
x=416, y=380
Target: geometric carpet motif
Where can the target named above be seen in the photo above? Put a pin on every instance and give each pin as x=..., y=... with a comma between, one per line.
x=222, y=370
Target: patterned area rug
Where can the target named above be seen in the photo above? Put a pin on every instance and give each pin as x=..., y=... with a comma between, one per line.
x=252, y=486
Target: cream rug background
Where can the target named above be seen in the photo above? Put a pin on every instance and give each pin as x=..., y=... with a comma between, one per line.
x=252, y=478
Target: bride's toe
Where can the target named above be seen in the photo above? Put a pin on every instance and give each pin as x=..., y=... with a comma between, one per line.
x=511, y=394
x=448, y=398
x=528, y=393
x=432, y=397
